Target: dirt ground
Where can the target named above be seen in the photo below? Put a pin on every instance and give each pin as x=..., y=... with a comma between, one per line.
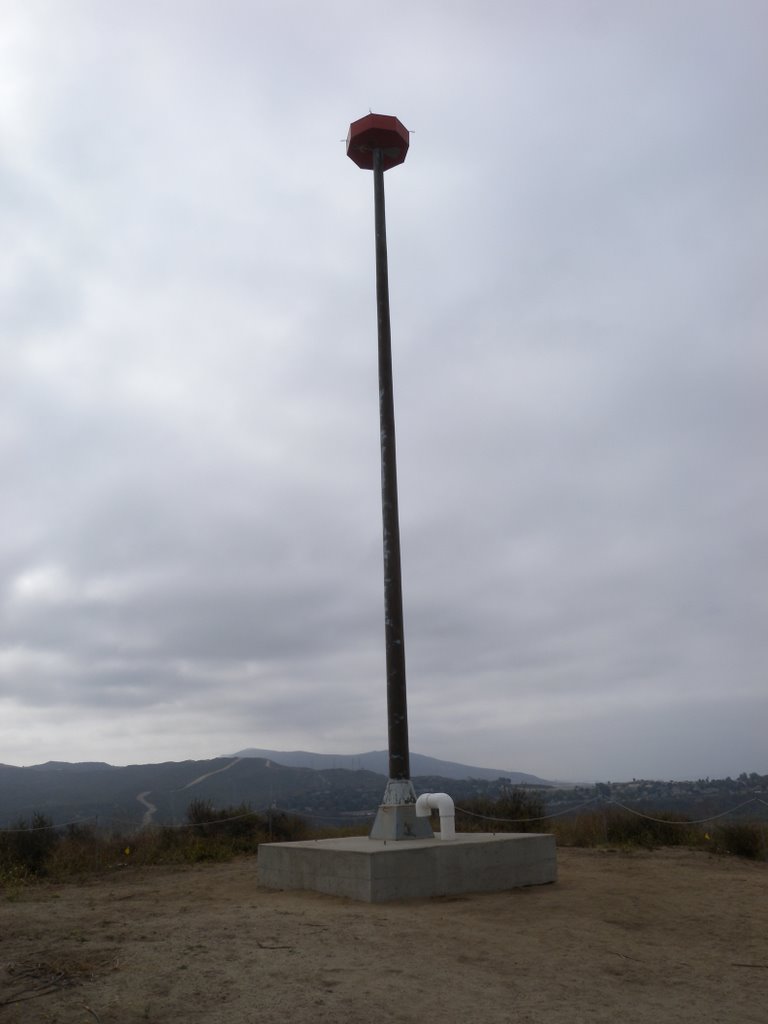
x=670, y=936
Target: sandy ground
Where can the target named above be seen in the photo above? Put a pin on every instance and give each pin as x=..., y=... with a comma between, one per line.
x=668, y=936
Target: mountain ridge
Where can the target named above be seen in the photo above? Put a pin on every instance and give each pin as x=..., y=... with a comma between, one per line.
x=377, y=761
x=118, y=797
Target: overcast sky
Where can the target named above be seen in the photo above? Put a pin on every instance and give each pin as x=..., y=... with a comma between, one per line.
x=190, y=552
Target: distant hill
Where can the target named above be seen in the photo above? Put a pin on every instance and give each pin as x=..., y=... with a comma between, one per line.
x=326, y=787
x=377, y=761
x=77, y=766
x=339, y=788
x=161, y=793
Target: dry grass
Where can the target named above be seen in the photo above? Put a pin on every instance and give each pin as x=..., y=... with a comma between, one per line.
x=35, y=849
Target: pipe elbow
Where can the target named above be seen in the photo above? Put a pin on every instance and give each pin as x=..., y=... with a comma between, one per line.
x=442, y=803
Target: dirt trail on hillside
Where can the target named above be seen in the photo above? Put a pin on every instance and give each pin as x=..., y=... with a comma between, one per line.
x=670, y=936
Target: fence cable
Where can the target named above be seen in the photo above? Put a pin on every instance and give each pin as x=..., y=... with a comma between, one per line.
x=543, y=817
x=336, y=818
x=639, y=814
x=45, y=828
x=267, y=812
x=698, y=821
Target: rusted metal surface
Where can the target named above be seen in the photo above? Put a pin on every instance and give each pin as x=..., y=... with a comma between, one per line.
x=377, y=132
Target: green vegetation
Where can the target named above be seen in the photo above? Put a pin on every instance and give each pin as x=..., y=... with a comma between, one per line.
x=26, y=847
x=522, y=810
x=616, y=828
x=36, y=849
x=107, y=795
x=743, y=839
x=516, y=810
x=620, y=828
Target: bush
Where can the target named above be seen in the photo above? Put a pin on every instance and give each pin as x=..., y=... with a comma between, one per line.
x=658, y=829
x=743, y=839
x=515, y=811
x=583, y=830
x=244, y=827
x=34, y=849
x=26, y=846
x=31, y=850
x=621, y=828
x=79, y=851
x=235, y=822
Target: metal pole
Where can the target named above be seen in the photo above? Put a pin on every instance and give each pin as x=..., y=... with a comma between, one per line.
x=378, y=142
x=397, y=715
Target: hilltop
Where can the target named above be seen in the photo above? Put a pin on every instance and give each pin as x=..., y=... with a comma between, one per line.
x=377, y=761
x=649, y=937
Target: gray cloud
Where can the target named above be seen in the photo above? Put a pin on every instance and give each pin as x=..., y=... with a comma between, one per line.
x=190, y=556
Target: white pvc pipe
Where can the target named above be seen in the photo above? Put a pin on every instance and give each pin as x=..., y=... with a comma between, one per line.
x=441, y=802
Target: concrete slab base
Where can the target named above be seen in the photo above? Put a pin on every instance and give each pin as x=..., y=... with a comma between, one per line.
x=375, y=871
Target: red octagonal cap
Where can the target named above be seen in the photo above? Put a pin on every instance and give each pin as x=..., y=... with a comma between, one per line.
x=377, y=131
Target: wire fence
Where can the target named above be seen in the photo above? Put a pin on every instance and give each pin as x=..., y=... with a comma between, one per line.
x=341, y=820
x=541, y=817
x=610, y=802
x=267, y=812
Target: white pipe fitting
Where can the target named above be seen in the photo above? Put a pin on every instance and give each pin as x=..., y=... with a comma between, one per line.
x=441, y=802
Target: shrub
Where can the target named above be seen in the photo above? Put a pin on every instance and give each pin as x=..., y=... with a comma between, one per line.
x=285, y=828
x=515, y=811
x=79, y=851
x=658, y=829
x=30, y=850
x=622, y=828
x=583, y=830
x=235, y=822
x=244, y=827
x=744, y=839
x=26, y=846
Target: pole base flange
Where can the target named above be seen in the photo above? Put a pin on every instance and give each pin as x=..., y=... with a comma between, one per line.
x=396, y=817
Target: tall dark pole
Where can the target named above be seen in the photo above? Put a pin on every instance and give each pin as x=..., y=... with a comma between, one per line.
x=377, y=142
x=397, y=711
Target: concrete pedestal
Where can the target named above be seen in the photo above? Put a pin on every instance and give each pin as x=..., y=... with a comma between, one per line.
x=376, y=871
